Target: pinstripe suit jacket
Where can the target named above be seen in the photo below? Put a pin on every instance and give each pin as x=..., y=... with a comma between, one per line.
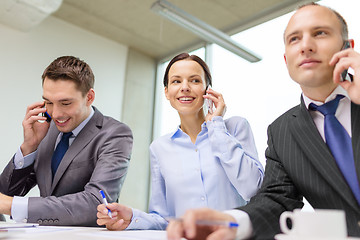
x=299, y=164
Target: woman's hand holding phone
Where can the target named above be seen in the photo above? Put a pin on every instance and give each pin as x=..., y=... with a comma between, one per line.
x=216, y=100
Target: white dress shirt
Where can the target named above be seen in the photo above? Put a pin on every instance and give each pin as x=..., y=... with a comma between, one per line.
x=343, y=114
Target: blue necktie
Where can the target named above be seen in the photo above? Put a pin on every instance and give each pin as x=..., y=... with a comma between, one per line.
x=59, y=152
x=339, y=142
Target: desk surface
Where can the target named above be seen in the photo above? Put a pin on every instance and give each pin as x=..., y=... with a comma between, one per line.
x=82, y=233
x=77, y=233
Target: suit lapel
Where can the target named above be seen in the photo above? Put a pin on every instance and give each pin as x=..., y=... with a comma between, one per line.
x=83, y=138
x=309, y=139
x=355, y=129
x=46, y=152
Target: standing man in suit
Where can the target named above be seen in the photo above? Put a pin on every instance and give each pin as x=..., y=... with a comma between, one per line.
x=301, y=160
x=70, y=159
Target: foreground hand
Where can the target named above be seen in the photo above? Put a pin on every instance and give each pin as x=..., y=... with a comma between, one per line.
x=188, y=228
x=342, y=61
x=34, y=131
x=5, y=204
x=121, y=216
x=218, y=100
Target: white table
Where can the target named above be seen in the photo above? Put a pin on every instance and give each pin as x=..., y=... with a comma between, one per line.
x=77, y=233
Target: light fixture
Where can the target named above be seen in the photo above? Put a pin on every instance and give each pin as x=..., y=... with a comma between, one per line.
x=202, y=29
x=26, y=14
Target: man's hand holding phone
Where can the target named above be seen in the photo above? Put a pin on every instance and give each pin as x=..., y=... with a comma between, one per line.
x=216, y=100
x=35, y=127
x=342, y=61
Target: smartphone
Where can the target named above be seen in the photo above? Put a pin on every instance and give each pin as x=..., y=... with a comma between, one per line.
x=209, y=105
x=344, y=73
x=48, y=118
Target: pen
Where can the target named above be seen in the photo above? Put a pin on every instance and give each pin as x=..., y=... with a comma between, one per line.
x=217, y=223
x=105, y=202
x=210, y=222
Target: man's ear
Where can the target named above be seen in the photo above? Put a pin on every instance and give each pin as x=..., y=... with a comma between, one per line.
x=90, y=97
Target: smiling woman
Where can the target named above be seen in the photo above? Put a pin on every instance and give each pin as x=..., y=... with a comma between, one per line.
x=207, y=161
x=186, y=80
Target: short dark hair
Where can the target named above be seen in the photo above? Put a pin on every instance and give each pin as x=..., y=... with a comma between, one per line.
x=344, y=27
x=186, y=56
x=73, y=69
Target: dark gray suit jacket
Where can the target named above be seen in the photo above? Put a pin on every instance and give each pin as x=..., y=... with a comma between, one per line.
x=97, y=159
x=299, y=164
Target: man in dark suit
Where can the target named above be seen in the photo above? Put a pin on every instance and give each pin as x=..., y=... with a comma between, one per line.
x=71, y=157
x=301, y=161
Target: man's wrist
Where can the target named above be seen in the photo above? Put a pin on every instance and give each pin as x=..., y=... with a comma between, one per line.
x=5, y=204
x=26, y=150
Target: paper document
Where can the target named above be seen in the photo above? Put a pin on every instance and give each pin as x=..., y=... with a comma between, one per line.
x=6, y=225
x=129, y=234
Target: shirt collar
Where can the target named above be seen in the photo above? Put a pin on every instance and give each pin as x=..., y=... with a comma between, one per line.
x=178, y=133
x=338, y=90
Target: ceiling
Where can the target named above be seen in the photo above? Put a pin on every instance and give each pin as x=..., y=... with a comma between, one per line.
x=131, y=22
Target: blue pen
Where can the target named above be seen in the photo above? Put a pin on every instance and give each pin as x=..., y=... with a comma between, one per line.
x=217, y=223
x=105, y=202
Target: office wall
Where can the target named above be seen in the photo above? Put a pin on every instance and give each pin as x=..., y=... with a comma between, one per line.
x=138, y=114
x=24, y=56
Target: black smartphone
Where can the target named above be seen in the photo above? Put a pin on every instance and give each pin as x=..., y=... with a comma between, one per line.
x=48, y=118
x=344, y=73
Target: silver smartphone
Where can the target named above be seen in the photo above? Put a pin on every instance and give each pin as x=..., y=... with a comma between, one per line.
x=209, y=105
